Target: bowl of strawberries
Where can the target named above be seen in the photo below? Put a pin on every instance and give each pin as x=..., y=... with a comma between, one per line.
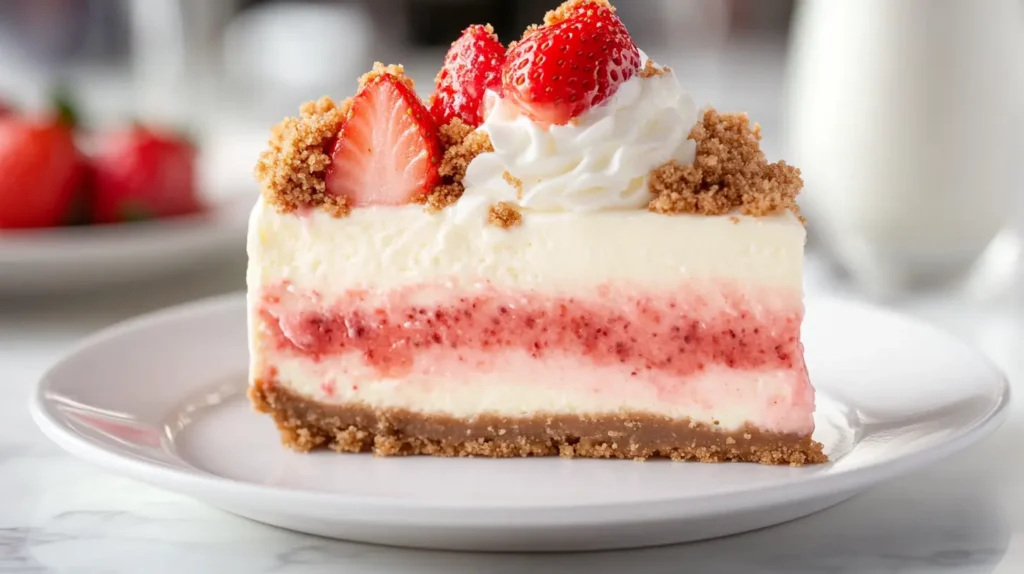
x=84, y=208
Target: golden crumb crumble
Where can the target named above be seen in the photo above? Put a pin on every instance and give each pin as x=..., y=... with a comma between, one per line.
x=730, y=172
x=291, y=171
x=379, y=69
x=651, y=69
x=514, y=182
x=563, y=12
x=454, y=132
x=462, y=143
x=457, y=157
x=504, y=215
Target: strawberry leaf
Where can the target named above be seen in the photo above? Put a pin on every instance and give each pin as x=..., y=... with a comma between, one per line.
x=64, y=105
x=135, y=212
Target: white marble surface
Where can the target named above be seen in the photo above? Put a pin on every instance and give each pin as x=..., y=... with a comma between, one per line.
x=58, y=514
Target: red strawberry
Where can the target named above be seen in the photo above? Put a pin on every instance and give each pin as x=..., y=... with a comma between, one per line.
x=140, y=173
x=472, y=66
x=388, y=151
x=559, y=71
x=40, y=172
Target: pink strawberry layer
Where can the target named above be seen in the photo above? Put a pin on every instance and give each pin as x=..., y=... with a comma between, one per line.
x=695, y=347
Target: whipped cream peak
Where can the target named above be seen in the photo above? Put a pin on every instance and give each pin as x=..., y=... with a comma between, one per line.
x=600, y=161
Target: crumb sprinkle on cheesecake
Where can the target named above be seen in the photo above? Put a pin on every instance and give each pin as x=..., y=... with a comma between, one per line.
x=462, y=144
x=292, y=170
x=504, y=215
x=651, y=70
x=730, y=172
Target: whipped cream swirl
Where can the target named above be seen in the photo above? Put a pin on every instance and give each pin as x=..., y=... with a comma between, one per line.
x=600, y=161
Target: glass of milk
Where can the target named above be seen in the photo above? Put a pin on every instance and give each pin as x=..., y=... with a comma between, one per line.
x=905, y=118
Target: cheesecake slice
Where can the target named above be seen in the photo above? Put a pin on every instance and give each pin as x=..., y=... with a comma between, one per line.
x=530, y=263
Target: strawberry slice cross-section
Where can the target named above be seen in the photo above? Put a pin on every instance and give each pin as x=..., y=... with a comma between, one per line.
x=388, y=150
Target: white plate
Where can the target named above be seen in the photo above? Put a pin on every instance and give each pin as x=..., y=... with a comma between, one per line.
x=70, y=258
x=160, y=398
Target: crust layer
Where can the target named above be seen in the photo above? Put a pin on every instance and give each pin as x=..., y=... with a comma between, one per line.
x=306, y=425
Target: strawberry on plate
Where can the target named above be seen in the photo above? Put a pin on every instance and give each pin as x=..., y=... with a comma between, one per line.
x=472, y=66
x=40, y=172
x=388, y=151
x=561, y=70
x=140, y=173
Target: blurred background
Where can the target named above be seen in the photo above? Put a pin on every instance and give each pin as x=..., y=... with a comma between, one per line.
x=908, y=186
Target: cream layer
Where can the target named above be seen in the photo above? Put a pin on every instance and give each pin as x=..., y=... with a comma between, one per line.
x=512, y=384
x=386, y=248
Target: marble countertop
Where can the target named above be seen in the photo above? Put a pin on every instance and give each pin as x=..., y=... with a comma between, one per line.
x=58, y=514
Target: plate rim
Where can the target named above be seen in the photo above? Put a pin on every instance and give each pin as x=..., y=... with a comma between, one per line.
x=224, y=217
x=208, y=486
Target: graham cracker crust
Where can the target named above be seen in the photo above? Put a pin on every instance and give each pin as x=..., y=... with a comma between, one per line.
x=306, y=425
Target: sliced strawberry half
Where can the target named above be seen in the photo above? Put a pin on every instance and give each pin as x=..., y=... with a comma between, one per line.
x=388, y=151
x=560, y=71
x=473, y=66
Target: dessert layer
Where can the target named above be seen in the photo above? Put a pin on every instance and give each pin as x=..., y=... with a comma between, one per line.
x=354, y=427
x=512, y=384
x=713, y=352
x=385, y=248
x=679, y=333
x=709, y=350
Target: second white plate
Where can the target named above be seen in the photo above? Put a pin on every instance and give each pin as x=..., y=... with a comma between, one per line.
x=161, y=399
x=71, y=258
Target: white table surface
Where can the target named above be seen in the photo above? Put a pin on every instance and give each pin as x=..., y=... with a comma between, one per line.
x=58, y=514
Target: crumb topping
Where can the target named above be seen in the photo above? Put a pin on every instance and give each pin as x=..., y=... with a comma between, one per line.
x=462, y=143
x=504, y=215
x=379, y=69
x=563, y=12
x=730, y=172
x=454, y=132
x=651, y=69
x=514, y=182
x=292, y=170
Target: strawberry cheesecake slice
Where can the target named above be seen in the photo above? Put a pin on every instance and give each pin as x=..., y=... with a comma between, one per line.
x=556, y=254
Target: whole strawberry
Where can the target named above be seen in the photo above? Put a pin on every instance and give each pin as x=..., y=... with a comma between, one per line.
x=140, y=173
x=561, y=70
x=472, y=66
x=40, y=172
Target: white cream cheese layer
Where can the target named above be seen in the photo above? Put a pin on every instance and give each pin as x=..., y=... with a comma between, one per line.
x=521, y=387
x=383, y=248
